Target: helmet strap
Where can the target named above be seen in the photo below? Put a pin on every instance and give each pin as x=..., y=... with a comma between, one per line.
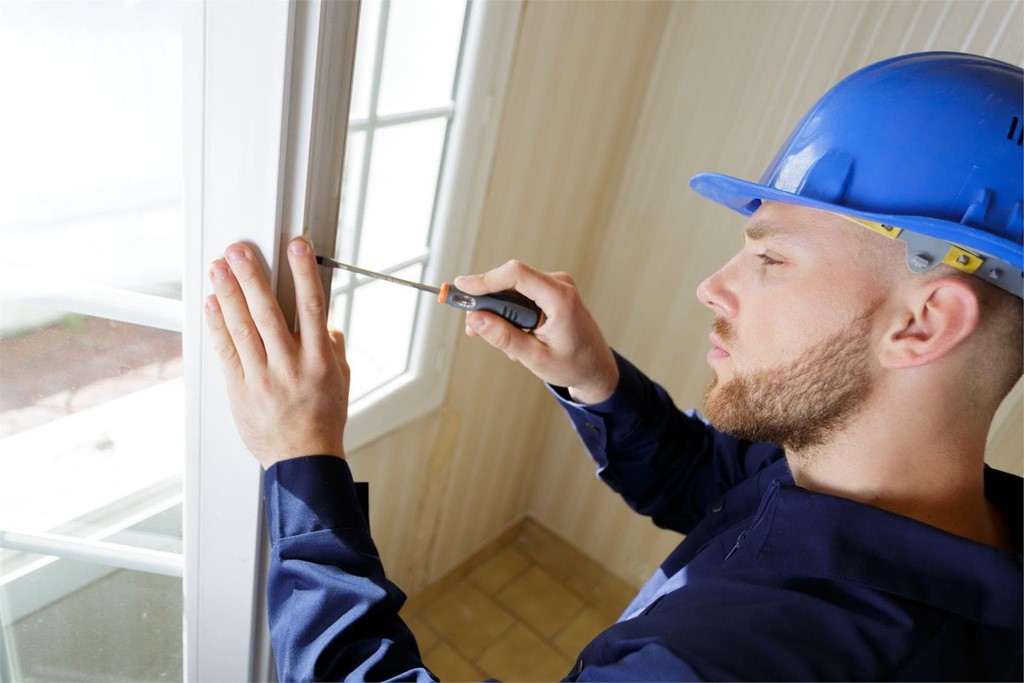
x=925, y=252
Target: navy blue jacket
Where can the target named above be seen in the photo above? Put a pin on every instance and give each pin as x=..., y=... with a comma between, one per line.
x=772, y=582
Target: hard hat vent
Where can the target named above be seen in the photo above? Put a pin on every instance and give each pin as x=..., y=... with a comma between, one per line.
x=1016, y=129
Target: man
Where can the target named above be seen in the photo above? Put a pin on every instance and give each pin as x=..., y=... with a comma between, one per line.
x=870, y=326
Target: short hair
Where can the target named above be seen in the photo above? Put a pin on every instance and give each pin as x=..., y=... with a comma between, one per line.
x=1001, y=314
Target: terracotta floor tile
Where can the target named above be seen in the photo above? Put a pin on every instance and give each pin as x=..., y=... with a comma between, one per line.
x=541, y=601
x=520, y=655
x=580, y=630
x=497, y=572
x=554, y=554
x=449, y=665
x=467, y=618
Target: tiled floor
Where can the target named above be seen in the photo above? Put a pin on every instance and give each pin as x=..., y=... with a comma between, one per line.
x=520, y=610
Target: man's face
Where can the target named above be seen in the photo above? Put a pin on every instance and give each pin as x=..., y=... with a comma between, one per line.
x=792, y=351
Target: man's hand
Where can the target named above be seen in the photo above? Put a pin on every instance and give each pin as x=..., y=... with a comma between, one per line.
x=567, y=350
x=288, y=391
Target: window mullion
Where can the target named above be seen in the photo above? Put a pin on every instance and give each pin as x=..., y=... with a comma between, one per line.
x=75, y=296
x=375, y=122
x=97, y=552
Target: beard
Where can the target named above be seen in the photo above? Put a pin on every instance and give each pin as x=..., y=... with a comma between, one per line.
x=801, y=404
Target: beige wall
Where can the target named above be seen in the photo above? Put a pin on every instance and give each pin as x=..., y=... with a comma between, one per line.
x=612, y=107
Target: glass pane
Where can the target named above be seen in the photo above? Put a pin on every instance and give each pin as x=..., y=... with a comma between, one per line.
x=351, y=180
x=420, y=54
x=338, y=310
x=73, y=621
x=91, y=166
x=91, y=412
x=400, y=194
x=383, y=315
x=92, y=422
x=56, y=363
x=366, y=50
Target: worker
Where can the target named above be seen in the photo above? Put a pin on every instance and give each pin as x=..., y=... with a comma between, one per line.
x=839, y=519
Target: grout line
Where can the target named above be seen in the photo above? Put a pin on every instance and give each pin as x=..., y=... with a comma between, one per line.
x=475, y=660
x=442, y=640
x=560, y=631
x=509, y=582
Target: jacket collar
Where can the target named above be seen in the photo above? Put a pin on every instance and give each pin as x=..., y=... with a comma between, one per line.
x=816, y=534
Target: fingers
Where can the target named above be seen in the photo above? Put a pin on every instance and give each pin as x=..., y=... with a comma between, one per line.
x=234, y=313
x=545, y=290
x=500, y=334
x=338, y=346
x=260, y=302
x=568, y=350
x=222, y=342
x=309, y=298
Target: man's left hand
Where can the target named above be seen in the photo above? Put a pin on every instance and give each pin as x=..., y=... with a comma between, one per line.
x=288, y=391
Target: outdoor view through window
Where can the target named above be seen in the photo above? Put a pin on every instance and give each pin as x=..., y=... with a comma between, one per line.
x=90, y=349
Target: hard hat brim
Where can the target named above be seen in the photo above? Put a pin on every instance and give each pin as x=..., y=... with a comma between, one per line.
x=745, y=197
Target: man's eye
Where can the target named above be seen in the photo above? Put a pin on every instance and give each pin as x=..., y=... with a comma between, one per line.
x=767, y=260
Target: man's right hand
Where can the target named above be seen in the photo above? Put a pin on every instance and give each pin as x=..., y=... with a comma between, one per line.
x=567, y=350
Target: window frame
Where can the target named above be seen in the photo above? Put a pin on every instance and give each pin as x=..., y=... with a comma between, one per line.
x=463, y=180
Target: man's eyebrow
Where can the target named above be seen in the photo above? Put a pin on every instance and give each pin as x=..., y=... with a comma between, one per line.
x=761, y=232
x=779, y=235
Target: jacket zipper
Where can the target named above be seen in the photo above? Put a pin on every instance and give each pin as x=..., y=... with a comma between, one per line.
x=761, y=510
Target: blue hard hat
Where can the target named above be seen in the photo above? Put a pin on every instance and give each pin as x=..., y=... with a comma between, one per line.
x=926, y=146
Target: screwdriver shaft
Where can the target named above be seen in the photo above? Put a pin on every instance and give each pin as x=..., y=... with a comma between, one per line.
x=512, y=306
x=323, y=260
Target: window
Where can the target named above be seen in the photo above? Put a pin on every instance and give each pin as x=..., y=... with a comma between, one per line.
x=402, y=106
x=428, y=80
x=91, y=417
x=130, y=522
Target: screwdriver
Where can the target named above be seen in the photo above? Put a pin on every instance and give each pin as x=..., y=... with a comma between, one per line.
x=511, y=306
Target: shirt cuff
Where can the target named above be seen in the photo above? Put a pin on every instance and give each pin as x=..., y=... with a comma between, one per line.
x=313, y=493
x=613, y=419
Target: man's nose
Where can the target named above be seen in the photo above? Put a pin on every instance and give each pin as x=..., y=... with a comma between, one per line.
x=715, y=293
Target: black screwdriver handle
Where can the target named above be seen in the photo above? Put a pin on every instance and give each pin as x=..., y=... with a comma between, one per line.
x=512, y=306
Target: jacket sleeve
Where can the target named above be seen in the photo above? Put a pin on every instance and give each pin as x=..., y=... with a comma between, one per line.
x=667, y=464
x=333, y=612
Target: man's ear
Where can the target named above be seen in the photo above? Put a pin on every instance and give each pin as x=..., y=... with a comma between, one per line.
x=935, y=316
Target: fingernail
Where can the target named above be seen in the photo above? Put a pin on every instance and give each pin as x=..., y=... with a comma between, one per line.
x=459, y=278
x=212, y=305
x=236, y=255
x=476, y=322
x=218, y=271
x=298, y=247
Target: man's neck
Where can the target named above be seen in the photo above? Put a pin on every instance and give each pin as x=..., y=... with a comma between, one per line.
x=930, y=470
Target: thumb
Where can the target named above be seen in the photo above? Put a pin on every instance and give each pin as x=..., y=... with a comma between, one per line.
x=338, y=346
x=500, y=334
